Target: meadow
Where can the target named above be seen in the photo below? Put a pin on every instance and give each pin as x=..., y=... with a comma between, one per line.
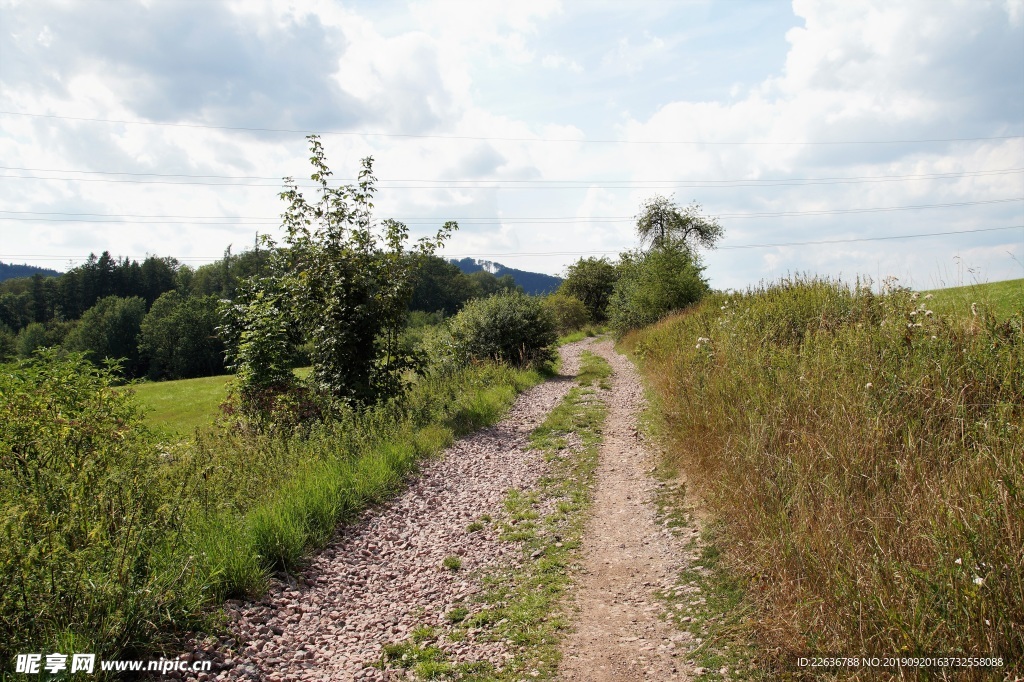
x=863, y=453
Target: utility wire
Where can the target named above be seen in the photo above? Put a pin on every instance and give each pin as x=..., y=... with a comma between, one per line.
x=503, y=139
x=562, y=184
x=260, y=220
x=598, y=253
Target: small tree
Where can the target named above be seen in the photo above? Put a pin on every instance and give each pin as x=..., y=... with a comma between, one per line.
x=662, y=223
x=652, y=284
x=342, y=281
x=568, y=312
x=591, y=280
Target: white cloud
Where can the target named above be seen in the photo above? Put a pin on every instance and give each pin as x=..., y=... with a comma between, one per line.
x=853, y=71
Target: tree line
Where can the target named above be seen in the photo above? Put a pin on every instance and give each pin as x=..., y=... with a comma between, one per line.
x=160, y=317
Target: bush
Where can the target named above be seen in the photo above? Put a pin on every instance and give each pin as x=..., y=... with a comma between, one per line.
x=652, y=284
x=568, y=312
x=83, y=515
x=510, y=327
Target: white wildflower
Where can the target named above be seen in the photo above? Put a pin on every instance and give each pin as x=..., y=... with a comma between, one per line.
x=868, y=385
x=958, y=561
x=928, y=313
x=928, y=297
x=979, y=581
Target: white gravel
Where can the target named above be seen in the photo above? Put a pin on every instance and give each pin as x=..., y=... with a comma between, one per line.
x=382, y=576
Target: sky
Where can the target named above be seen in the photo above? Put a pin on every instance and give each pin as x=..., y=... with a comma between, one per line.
x=871, y=138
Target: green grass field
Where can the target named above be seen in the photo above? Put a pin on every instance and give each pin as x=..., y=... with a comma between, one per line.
x=1002, y=298
x=180, y=407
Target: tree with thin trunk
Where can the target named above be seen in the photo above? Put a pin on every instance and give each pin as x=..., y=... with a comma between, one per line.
x=661, y=223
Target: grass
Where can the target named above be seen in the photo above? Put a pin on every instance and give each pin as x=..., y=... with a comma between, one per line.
x=521, y=605
x=178, y=408
x=864, y=461
x=1003, y=299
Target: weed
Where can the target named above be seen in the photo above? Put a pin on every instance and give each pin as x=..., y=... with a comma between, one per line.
x=457, y=615
x=452, y=563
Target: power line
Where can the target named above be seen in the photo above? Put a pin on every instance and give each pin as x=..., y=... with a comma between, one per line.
x=496, y=138
x=558, y=184
x=267, y=220
x=598, y=253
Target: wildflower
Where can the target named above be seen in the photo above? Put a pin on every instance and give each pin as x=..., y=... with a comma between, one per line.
x=913, y=313
x=913, y=296
x=958, y=561
x=917, y=324
x=974, y=309
x=928, y=313
x=988, y=622
x=934, y=337
x=979, y=581
x=868, y=385
x=928, y=296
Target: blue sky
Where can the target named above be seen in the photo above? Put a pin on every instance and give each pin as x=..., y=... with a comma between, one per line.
x=557, y=119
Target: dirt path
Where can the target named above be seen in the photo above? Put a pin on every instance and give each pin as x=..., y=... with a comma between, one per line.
x=628, y=555
x=384, y=576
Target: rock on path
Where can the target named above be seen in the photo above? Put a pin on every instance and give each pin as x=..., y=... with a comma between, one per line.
x=627, y=556
x=382, y=576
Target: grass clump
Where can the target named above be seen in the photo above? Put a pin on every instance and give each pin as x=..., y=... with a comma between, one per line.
x=864, y=454
x=452, y=563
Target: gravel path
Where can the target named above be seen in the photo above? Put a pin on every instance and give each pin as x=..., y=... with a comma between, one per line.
x=382, y=576
x=628, y=554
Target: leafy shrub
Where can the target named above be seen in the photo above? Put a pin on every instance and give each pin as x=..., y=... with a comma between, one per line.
x=343, y=283
x=652, y=284
x=568, y=312
x=83, y=514
x=509, y=327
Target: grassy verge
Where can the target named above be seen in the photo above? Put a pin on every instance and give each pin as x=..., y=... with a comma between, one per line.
x=707, y=602
x=521, y=605
x=117, y=542
x=864, y=460
x=581, y=334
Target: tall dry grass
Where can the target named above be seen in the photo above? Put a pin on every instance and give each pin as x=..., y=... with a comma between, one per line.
x=866, y=457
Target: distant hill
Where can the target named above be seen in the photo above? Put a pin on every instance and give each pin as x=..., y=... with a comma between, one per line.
x=533, y=283
x=11, y=271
